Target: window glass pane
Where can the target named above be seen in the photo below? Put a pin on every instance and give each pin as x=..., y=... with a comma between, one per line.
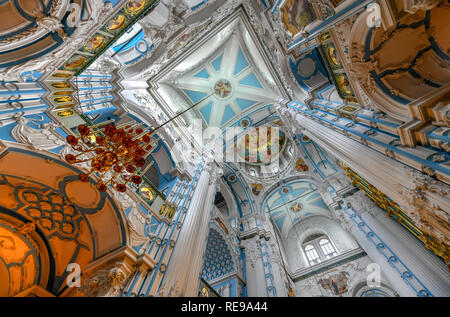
x=312, y=255
x=327, y=248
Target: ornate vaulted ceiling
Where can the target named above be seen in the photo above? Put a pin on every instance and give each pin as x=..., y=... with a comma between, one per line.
x=225, y=72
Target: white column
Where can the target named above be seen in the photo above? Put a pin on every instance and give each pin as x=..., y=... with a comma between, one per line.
x=413, y=255
x=427, y=266
x=226, y=291
x=279, y=275
x=256, y=282
x=416, y=193
x=183, y=270
x=203, y=221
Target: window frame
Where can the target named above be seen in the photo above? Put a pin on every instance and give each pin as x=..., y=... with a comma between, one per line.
x=315, y=244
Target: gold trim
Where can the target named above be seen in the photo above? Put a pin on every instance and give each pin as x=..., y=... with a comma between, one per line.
x=394, y=211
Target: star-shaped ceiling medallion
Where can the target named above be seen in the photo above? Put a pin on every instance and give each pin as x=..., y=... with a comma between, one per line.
x=226, y=72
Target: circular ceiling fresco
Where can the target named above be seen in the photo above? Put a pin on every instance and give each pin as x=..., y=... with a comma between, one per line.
x=258, y=146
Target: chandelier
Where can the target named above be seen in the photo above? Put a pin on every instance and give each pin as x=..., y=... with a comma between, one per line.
x=115, y=153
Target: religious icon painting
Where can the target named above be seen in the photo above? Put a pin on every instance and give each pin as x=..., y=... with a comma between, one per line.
x=296, y=207
x=337, y=283
x=331, y=55
x=222, y=88
x=203, y=292
x=95, y=44
x=300, y=166
x=62, y=93
x=147, y=194
x=65, y=113
x=59, y=74
x=75, y=62
x=116, y=24
x=62, y=99
x=60, y=85
x=297, y=14
x=133, y=7
x=257, y=188
x=344, y=85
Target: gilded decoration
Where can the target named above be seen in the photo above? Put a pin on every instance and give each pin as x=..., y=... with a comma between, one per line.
x=301, y=166
x=20, y=258
x=108, y=34
x=48, y=220
x=340, y=77
x=394, y=211
x=297, y=14
x=257, y=188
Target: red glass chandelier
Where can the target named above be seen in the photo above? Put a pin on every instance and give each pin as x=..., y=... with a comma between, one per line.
x=115, y=153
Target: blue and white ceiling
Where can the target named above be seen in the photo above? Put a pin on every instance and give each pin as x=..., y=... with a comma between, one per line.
x=292, y=202
x=230, y=55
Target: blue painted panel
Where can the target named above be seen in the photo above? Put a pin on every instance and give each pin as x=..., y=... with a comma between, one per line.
x=245, y=103
x=228, y=114
x=277, y=202
x=202, y=74
x=241, y=62
x=195, y=96
x=299, y=191
x=217, y=63
x=277, y=213
x=206, y=111
x=251, y=80
x=319, y=203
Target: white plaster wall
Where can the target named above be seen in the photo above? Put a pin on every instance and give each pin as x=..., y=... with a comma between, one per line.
x=357, y=278
x=341, y=239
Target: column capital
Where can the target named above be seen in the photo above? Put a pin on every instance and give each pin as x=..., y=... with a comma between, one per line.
x=216, y=173
x=359, y=202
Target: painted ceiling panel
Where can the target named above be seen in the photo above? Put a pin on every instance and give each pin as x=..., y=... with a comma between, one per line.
x=195, y=96
x=217, y=63
x=202, y=74
x=251, y=80
x=228, y=114
x=206, y=111
x=245, y=103
x=319, y=203
x=227, y=70
x=241, y=62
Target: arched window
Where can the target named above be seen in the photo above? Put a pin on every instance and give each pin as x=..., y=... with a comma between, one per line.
x=318, y=248
x=312, y=255
x=327, y=248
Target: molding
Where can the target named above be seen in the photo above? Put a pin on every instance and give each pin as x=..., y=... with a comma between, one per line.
x=338, y=260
